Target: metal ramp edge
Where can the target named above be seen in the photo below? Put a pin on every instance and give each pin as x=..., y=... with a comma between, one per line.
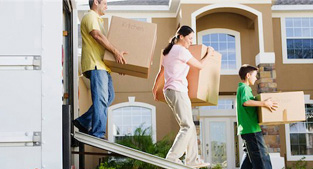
x=126, y=151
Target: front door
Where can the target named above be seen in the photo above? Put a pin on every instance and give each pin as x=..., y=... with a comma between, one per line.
x=221, y=144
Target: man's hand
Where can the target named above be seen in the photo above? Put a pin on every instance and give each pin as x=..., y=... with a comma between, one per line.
x=268, y=103
x=119, y=57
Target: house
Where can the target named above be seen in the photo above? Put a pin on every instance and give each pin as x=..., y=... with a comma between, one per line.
x=276, y=36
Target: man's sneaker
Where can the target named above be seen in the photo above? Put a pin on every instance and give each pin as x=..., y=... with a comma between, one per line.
x=79, y=126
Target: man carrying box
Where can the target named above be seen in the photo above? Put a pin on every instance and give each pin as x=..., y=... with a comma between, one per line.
x=255, y=150
x=94, y=45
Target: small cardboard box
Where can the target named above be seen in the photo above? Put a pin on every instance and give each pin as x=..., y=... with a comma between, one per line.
x=138, y=39
x=203, y=85
x=290, y=109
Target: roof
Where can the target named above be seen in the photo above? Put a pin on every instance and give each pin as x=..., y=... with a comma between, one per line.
x=293, y=2
x=139, y=2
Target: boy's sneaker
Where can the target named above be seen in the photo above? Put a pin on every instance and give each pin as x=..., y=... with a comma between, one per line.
x=79, y=126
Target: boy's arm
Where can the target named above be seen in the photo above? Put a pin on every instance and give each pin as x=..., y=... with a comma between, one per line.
x=268, y=103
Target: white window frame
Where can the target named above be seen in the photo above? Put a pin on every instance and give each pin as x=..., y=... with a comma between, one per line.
x=284, y=43
x=237, y=43
x=288, y=149
x=131, y=102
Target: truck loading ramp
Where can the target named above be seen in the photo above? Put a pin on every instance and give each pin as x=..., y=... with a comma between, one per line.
x=128, y=152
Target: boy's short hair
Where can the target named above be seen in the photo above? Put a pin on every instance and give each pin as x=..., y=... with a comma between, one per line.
x=245, y=69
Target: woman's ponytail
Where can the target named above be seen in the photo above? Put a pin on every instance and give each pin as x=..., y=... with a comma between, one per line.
x=184, y=31
x=169, y=46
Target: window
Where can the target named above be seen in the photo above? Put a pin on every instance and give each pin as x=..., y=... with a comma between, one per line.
x=223, y=104
x=297, y=33
x=125, y=118
x=227, y=42
x=299, y=136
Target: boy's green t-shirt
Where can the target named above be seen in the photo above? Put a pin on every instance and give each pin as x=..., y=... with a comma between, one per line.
x=247, y=117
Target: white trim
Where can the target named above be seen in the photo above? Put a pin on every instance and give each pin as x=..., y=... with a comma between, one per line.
x=284, y=47
x=231, y=5
x=292, y=7
x=237, y=42
x=268, y=57
x=131, y=102
x=288, y=149
x=280, y=14
x=228, y=1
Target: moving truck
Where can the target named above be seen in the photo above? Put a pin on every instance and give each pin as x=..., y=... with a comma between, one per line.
x=33, y=81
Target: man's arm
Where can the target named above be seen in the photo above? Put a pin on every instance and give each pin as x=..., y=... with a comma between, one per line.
x=102, y=40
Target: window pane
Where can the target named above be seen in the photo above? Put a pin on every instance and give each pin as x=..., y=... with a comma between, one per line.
x=305, y=22
x=306, y=32
x=289, y=32
x=206, y=38
x=290, y=43
x=297, y=22
x=291, y=53
x=298, y=32
x=289, y=22
x=214, y=37
x=232, y=65
x=222, y=37
x=294, y=140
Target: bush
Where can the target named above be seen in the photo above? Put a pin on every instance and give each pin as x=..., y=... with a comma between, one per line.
x=142, y=141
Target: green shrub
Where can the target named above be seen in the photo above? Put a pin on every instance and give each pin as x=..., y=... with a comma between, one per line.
x=142, y=141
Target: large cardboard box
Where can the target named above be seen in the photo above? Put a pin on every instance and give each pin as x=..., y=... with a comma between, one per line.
x=203, y=85
x=290, y=109
x=138, y=39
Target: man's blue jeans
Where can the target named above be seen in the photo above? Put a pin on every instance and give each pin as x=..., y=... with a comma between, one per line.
x=255, y=155
x=102, y=94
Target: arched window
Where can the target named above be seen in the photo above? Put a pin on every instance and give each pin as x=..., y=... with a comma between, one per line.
x=227, y=42
x=125, y=118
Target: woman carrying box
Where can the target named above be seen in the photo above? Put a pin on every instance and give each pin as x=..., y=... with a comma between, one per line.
x=175, y=66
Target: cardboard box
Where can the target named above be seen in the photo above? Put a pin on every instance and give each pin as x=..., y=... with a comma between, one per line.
x=291, y=108
x=138, y=39
x=203, y=85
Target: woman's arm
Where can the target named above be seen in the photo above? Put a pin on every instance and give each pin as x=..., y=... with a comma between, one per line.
x=200, y=64
x=157, y=82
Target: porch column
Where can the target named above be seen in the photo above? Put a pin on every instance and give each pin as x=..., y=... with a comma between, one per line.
x=267, y=84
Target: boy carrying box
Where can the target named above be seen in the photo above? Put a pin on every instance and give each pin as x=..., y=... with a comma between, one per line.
x=255, y=150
